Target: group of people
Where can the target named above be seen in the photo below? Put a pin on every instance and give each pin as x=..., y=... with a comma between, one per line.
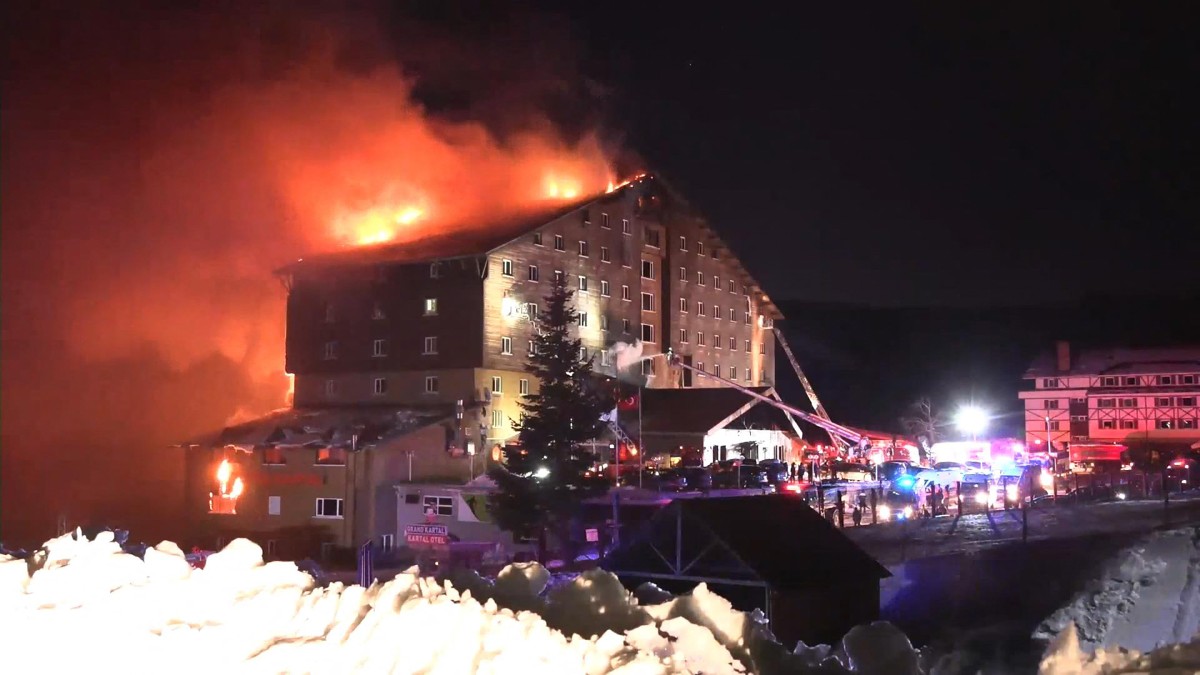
x=800, y=471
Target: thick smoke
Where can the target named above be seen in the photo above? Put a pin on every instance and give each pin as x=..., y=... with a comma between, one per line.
x=157, y=166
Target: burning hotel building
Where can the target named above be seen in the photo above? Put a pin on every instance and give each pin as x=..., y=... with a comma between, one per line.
x=416, y=353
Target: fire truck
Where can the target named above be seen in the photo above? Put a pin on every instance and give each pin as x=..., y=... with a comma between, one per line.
x=1099, y=458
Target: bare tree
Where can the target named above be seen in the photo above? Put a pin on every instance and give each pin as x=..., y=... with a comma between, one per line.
x=924, y=422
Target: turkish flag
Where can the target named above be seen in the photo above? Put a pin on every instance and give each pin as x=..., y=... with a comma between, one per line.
x=630, y=403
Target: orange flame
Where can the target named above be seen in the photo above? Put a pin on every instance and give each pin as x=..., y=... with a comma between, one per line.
x=223, y=473
x=237, y=488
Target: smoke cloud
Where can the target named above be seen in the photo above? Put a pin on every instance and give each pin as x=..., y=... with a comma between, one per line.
x=158, y=165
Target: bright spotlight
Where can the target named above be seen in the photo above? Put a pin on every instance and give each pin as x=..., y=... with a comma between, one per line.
x=542, y=472
x=971, y=420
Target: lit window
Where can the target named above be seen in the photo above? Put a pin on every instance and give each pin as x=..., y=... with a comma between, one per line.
x=533, y=273
x=334, y=456
x=583, y=319
x=647, y=269
x=605, y=256
x=438, y=506
x=523, y=386
x=435, y=270
x=380, y=386
x=379, y=348
x=328, y=508
x=430, y=306
x=559, y=243
x=506, y=345
x=624, y=292
x=273, y=455
x=497, y=419
x=583, y=284
x=431, y=384
x=330, y=351
x=431, y=345
x=605, y=290
x=497, y=385
x=274, y=504
x=506, y=268
x=647, y=302
x=682, y=243
x=558, y=276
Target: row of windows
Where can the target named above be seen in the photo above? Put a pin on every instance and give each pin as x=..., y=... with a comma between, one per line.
x=701, y=310
x=733, y=341
x=733, y=371
x=1164, y=424
x=701, y=279
x=683, y=246
x=380, y=386
x=1159, y=402
x=323, y=507
x=1129, y=381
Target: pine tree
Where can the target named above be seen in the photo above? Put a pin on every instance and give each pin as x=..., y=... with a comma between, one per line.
x=543, y=481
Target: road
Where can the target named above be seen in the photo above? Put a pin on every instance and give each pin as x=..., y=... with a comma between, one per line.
x=893, y=543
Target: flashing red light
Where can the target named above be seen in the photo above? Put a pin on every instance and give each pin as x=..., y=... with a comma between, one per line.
x=793, y=487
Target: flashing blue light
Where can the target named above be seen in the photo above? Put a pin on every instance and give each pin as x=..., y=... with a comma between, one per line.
x=905, y=481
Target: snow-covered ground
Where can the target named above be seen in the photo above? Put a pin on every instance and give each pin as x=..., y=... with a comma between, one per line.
x=80, y=605
x=893, y=543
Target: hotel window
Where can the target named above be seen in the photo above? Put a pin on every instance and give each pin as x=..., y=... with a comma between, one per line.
x=699, y=248
x=1129, y=424
x=1164, y=424
x=379, y=348
x=647, y=269
x=1051, y=404
x=506, y=268
x=273, y=455
x=700, y=278
x=1106, y=403
x=647, y=302
x=328, y=507
x=1187, y=379
x=1128, y=403
x=1186, y=401
x=532, y=348
x=717, y=312
x=1130, y=381
x=732, y=343
x=583, y=354
x=537, y=239
x=1054, y=426
x=700, y=339
x=438, y=506
x=700, y=366
x=732, y=314
x=331, y=387
x=653, y=237
x=431, y=384
x=624, y=292
x=583, y=319
x=747, y=374
x=747, y=346
x=583, y=249
x=497, y=385
x=330, y=351
x=387, y=541
x=523, y=387
x=683, y=305
x=431, y=345
x=683, y=335
x=587, y=217
x=603, y=323
x=746, y=318
x=497, y=419
x=1108, y=424
x=682, y=243
x=559, y=243
x=683, y=275
x=716, y=282
x=700, y=309
x=625, y=228
x=1110, y=382
x=762, y=348
x=534, y=275
x=604, y=221
x=435, y=270
x=604, y=254
x=380, y=386
x=1166, y=380
x=274, y=506
x=506, y=345
x=430, y=306
x=377, y=313
x=1162, y=401
x=647, y=367
x=625, y=325
x=733, y=372
x=716, y=369
x=605, y=289
x=330, y=314
x=603, y=357
x=558, y=276
x=731, y=286
x=583, y=285
x=531, y=310
x=1186, y=423
x=716, y=340
x=647, y=333
x=713, y=253
x=333, y=456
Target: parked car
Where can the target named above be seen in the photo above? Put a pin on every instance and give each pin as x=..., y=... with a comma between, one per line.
x=892, y=470
x=697, y=477
x=777, y=471
x=663, y=480
x=1083, y=495
x=850, y=471
x=740, y=476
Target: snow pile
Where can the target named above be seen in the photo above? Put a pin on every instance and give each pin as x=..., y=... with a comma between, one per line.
x=1066, y=656
x=76, y=601
x=1147, y=597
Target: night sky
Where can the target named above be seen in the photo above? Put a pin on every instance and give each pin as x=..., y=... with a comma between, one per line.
x=897, y=156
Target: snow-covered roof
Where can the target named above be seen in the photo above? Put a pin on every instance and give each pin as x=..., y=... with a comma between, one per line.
x=1120, y=361
x=344, y=427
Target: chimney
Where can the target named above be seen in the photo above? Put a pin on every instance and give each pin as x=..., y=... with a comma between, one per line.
x=1063, y=351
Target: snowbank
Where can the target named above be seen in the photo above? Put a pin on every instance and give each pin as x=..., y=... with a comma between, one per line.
x=78, y=603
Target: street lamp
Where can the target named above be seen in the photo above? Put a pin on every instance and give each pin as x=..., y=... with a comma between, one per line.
x=971, y=420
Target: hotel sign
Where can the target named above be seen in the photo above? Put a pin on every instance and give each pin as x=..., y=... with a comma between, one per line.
x=426, y=535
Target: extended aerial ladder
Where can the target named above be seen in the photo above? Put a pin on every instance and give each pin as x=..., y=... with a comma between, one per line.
x=808, y=388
